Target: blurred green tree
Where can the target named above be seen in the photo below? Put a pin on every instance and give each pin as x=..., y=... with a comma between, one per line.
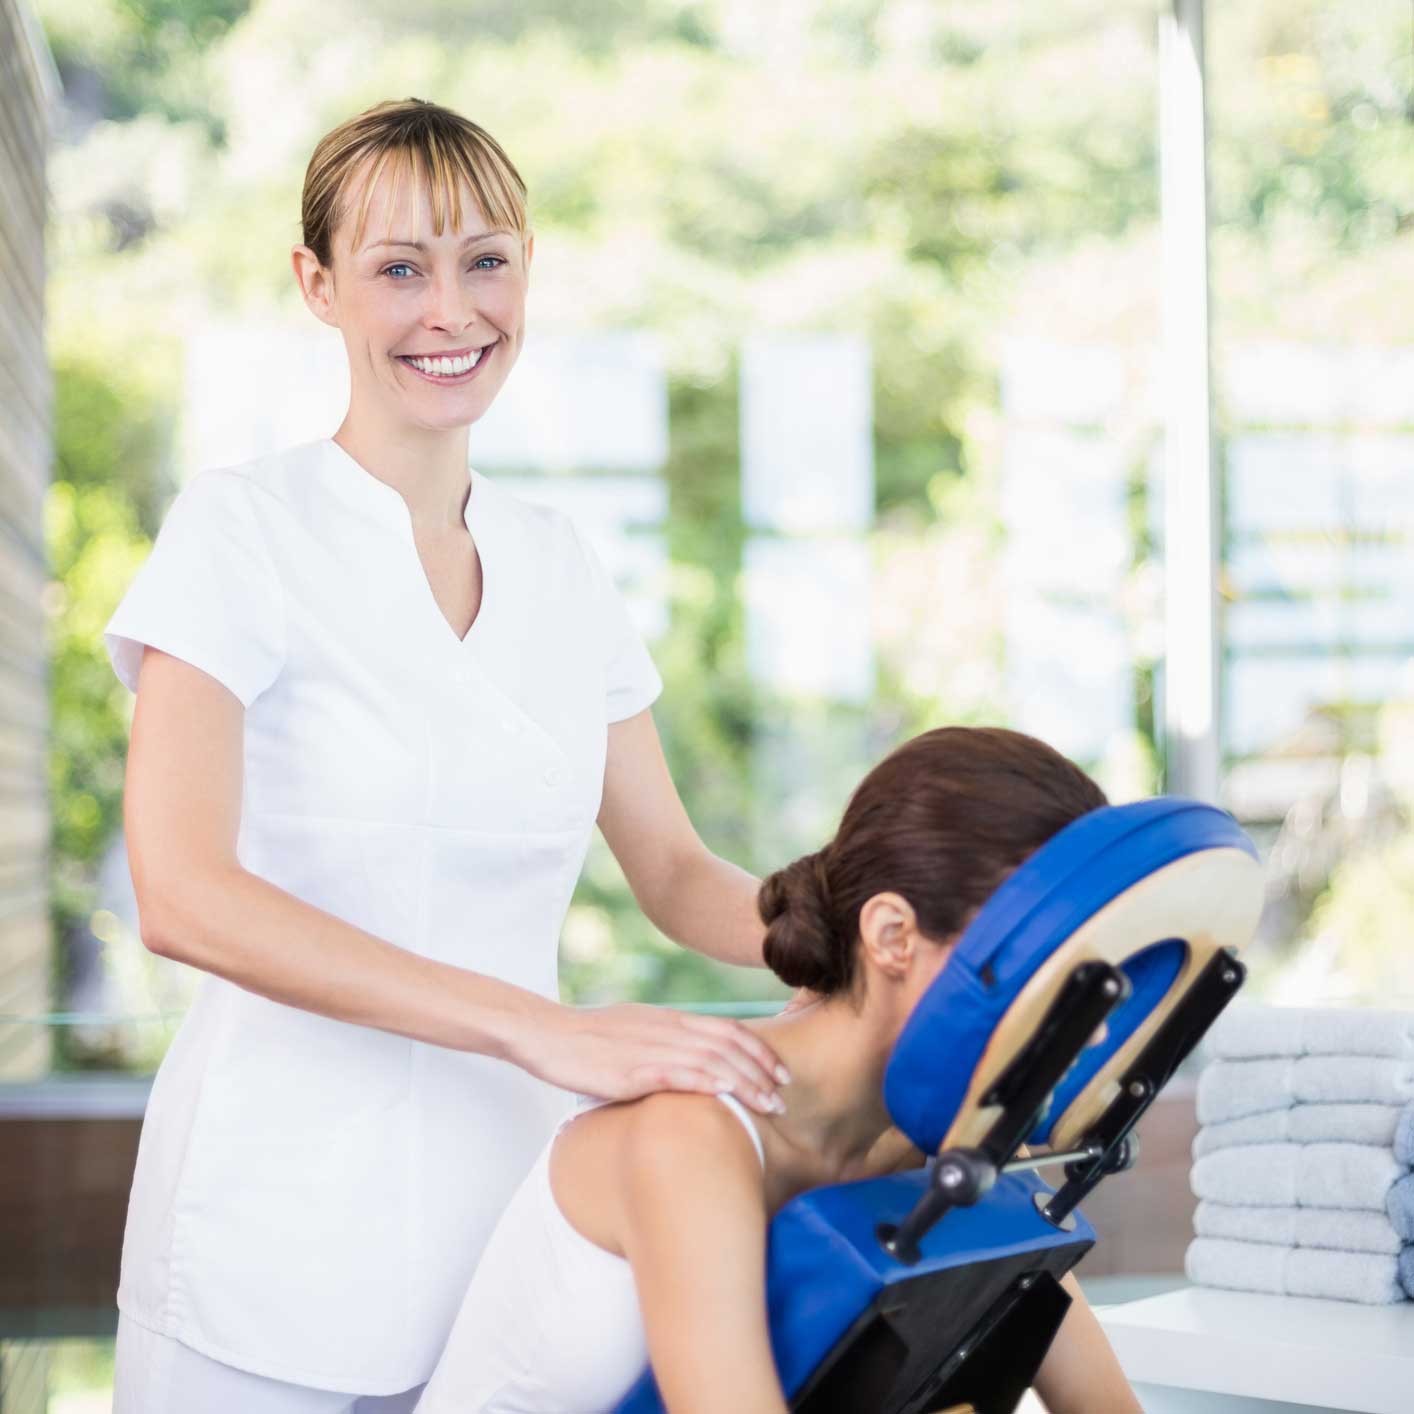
x=101, y=510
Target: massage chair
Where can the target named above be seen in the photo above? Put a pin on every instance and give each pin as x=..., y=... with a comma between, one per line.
x=938, y=1290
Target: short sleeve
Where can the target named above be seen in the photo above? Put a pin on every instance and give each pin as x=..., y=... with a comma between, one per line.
x=631, y=680
x=207, y=593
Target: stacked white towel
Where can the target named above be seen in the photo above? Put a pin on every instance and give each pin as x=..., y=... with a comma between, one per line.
x=1302, y=1165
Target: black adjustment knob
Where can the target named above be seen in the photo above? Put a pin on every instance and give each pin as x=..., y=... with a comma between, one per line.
x=962, y=1176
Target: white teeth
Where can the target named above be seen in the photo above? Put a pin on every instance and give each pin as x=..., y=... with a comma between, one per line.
x=447, y=367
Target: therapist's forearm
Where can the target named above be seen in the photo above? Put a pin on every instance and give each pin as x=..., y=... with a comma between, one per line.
x=251, y=932
x=710, y=907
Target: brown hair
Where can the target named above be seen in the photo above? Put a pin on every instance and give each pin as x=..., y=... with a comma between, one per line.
x=418, y=139
x=942, y=821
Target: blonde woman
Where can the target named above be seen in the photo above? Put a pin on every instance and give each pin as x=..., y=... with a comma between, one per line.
x=381, y=705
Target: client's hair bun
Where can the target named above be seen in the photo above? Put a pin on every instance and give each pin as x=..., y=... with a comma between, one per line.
x=803, y=947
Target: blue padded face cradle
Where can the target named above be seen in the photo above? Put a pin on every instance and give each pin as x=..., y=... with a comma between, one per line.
x=1048, y=898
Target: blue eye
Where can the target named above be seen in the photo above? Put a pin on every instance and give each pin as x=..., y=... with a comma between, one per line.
x=403, y=265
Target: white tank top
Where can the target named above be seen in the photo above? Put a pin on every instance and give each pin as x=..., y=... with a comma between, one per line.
x=550, y=1323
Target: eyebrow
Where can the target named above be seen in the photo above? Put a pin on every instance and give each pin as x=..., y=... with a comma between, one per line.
x=418, y=245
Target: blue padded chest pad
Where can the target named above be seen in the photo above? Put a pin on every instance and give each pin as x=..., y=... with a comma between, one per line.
x=825, y=1264
x=1046, y=899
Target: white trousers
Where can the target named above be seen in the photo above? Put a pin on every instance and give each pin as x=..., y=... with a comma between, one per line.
x=155, y=1374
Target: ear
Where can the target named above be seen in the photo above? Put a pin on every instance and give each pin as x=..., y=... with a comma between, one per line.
x=529, y=249
x=888, y=934
x=315, y=282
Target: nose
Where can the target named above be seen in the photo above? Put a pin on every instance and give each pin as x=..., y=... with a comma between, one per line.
x=450, y=304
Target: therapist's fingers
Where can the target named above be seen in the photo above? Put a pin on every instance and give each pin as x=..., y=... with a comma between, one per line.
x=702, y=1081
x=684, y=1060
x=734, y=1080
x=626, y=1050
x=675, y=1068
x=741, y=1048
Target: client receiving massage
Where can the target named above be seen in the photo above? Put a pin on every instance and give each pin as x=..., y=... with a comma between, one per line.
x=640, y=1233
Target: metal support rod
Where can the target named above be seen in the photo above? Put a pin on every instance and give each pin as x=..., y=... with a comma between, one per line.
x=1191, y=546
x=1036, y=1161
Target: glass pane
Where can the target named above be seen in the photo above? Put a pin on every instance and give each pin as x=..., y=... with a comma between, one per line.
x=1310, y=141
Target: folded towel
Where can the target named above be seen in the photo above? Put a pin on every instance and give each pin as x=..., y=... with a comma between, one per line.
x=1299, y=1176
x=1294, y=1271
x=1333, y=1229
x=1246, y=1030
x=1230, y=1089
x=1404, y=1137
x=1399, y=1205
x=1406, y=1270
x=1310, y=1124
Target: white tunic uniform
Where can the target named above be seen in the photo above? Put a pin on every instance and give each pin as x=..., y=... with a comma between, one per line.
x=311, y=1196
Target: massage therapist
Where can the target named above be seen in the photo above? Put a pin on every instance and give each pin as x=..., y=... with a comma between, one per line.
x=381, y=704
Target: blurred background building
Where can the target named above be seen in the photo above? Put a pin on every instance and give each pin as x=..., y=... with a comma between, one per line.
x=909, y=361
x=29, y=967
x=27, y=99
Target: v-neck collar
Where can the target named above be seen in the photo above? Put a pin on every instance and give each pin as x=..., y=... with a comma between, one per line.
x=386, y=504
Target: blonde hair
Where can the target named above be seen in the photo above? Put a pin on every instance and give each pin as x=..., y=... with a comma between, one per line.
x=424, y=141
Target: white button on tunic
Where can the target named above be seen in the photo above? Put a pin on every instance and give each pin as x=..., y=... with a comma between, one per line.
x=311, y=1196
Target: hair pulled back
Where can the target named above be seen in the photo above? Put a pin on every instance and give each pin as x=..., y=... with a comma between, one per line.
x=942, y=821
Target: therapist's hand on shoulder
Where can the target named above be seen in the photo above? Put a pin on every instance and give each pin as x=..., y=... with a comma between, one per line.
x=623, y=1051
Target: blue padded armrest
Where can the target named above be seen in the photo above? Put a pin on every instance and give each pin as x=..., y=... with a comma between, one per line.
x=1085, y=866
x=825, y=1265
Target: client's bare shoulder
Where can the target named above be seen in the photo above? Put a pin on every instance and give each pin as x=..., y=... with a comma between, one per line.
x=612, y=1161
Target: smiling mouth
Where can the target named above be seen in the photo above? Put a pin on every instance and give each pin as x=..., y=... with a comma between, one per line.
x=444, y=370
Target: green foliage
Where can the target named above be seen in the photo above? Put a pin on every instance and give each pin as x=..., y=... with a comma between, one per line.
x=1363, y=914
x=146, y=54
x=100, y=513
x=1314, y=130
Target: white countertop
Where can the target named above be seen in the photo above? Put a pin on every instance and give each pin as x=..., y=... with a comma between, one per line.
x=1292, y=1348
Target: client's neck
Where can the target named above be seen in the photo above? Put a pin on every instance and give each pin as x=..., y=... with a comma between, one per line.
x=836, y=1056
